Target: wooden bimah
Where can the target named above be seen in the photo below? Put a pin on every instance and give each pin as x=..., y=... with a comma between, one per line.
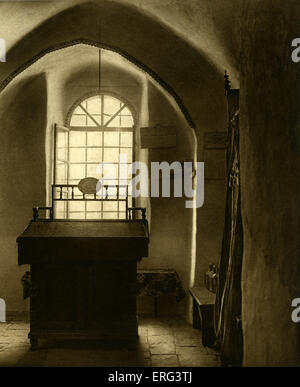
x=82, y=280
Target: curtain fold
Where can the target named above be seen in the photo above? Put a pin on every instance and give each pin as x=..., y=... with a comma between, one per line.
x=228, y=306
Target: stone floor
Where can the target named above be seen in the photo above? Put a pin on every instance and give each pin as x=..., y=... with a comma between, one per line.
x=162, y=343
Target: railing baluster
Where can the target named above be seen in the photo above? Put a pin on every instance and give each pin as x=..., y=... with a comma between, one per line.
x=120, y=195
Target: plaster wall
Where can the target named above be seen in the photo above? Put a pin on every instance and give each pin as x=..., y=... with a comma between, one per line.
x=269, y=127
x=23, y=117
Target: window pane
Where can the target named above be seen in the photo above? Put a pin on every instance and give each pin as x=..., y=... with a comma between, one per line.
x=68, y=192
x=126, y=112
x=77, y=171
x=123, y=184
x=122, y=206
x=76, y=215
x=116, y=122
x=89, y=196
x=94, y=105
x=79, y=110
x=61, y=139
x=111, y=155
x=110, y=206
x=109, y=193
x=77, y=155
x=78, y=120
x=122, y=192
x=77, y=193
x=92, y=170
x=62, y=154
x=93, y=215
x=124, y=171
x=110, y=182
x=126, y=122
x=126, y=154
x=111, y=138
x=91, y=122
x=61, y=173
x=77, y=139
x=129, y=171
x=76, y=190
x=60, y=215
x=126, y=139
x=60, y=206
x=76, y=206
x=94, y=155
x=93, y=206
x=90, y=150
x=111, y=105
x=94, y=139
x=56, y=193
x=110, y=215
x=109, y=170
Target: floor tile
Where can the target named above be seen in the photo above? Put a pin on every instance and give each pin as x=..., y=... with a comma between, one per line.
x=164, y=361
x=162, y=342
x=188, y=341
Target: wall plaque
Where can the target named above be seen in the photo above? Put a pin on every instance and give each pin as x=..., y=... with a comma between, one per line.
x=158, y=137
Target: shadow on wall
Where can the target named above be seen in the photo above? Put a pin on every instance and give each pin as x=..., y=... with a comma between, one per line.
x=22, y=173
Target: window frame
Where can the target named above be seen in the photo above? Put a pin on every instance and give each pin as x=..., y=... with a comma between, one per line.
x=98, y=128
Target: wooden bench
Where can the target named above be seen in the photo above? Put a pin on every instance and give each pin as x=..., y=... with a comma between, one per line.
x=203, y=313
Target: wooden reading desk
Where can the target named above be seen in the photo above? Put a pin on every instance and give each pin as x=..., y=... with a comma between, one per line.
x=83, y=276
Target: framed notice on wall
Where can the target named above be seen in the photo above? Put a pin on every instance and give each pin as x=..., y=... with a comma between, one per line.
x=158, y=137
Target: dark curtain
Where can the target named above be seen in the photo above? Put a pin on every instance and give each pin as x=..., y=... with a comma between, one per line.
x=228, y=306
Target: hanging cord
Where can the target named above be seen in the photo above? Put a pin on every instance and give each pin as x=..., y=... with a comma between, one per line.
x=99, y=76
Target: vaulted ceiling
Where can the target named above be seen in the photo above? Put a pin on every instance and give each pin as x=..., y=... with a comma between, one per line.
x=206, y=27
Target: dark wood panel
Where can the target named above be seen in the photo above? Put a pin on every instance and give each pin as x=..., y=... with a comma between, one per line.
x=96, y=240
x=89, y=300
x=83, y=285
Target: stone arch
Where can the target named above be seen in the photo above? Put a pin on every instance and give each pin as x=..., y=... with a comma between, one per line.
x=119, y=51
x=155, y=49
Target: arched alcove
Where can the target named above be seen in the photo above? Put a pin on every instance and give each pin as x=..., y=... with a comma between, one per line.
x=63, y=91
x=157, y=49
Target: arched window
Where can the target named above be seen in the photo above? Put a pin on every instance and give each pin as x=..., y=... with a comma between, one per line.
x=99, y=130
